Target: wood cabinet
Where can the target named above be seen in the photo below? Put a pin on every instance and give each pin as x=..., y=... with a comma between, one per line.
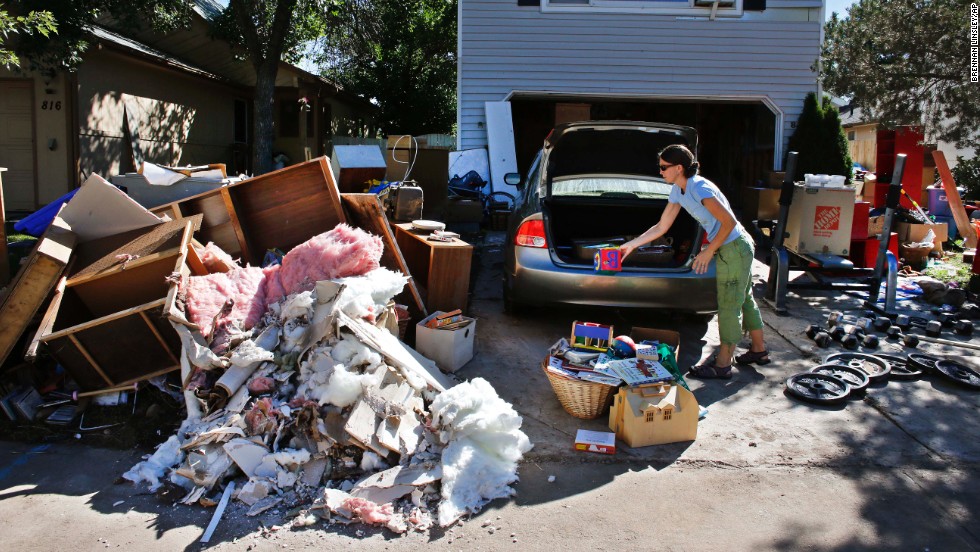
x=442, y=269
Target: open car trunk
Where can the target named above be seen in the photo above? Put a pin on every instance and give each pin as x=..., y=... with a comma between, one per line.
x=576, y=225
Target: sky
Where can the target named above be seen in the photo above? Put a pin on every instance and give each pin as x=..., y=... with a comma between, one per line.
x=839, y=6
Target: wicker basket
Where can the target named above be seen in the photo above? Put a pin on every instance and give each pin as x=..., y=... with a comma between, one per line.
x=583, y=399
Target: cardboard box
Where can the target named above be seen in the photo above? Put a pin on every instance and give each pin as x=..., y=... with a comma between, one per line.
x=819, y=220
x=761, y=203
x=774, y=179
x=670, y=337
x=876, y=225
x=602, y=442
x=654, y=415
x=914, y=233
x=450, y=349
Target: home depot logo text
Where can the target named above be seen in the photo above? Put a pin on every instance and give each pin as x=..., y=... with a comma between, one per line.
x=825, y=221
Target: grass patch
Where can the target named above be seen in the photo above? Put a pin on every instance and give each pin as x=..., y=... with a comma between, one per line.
x=950, y=270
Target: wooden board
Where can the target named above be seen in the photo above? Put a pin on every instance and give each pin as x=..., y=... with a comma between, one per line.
x=34, y=283
x=365, y=212
x=955, y=203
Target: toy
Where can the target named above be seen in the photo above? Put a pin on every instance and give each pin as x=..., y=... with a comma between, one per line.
x=623, y=347
x=608, y=260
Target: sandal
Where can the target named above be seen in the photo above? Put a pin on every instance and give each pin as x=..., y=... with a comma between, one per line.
x=709, y=370
x=752, y=357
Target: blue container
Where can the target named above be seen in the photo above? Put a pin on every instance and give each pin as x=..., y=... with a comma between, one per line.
x=938, y=204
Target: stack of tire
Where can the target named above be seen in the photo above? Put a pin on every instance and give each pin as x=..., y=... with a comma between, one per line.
x=848, y=374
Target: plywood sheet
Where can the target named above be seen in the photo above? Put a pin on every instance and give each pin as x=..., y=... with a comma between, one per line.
x=500, y=142
x=34, y=283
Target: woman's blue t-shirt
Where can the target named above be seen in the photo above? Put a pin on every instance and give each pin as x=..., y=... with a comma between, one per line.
x=699, y=189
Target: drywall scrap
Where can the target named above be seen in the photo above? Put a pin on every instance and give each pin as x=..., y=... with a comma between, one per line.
x=317, y=407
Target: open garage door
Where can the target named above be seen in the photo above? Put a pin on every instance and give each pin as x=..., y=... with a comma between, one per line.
x=17, y=145
x=737, y=139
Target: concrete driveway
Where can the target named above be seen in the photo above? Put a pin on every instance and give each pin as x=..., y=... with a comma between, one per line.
x=896, y=470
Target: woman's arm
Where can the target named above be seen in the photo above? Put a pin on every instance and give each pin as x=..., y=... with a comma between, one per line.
x=655, y=231
x=718, y=211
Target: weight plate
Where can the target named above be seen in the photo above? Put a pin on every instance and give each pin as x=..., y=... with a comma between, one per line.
x=875, y=367
x=923, y=362
x=856, y=378
x=959, y=373
x=900, y=368
x=817, y=388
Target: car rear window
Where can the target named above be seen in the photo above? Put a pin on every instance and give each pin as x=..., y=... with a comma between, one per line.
x=609, y=186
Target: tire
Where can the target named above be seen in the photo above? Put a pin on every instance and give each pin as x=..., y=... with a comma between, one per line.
x=511, y=306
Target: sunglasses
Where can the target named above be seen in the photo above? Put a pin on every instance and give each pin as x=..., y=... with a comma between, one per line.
x=665, y=167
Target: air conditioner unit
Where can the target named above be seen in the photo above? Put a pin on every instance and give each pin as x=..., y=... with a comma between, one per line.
x=710, y=3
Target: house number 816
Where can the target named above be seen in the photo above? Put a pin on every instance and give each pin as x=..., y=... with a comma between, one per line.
x=51, y=105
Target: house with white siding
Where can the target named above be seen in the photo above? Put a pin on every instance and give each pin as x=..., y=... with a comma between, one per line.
x=736, y=70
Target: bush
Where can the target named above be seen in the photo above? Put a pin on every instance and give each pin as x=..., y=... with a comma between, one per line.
x=820, y=140
x=966, y=173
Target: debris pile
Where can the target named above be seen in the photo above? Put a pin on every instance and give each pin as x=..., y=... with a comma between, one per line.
x=295, y=379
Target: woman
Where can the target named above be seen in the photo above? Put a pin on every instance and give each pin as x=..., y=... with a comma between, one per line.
x=734, y=248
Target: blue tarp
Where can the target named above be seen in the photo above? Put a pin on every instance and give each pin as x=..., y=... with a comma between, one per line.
x=37, y=222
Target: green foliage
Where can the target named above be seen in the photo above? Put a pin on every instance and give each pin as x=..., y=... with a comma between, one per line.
x=64, y=49
x=906, y=62
x=252, y=28
x=951, y=270
x=35, y=22
x=401, y=55
x=966, y=173
x=820, y=140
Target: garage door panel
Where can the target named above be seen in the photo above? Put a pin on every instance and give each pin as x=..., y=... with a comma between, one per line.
x=17, y=145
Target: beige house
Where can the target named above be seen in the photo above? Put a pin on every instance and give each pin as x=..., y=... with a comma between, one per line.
x=175, y=99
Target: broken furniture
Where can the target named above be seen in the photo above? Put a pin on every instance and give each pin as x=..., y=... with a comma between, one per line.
x=33, y=283
x=152, y=195
x=441, y=268
x=278, y=210
x=830, y=271
x=112, y=307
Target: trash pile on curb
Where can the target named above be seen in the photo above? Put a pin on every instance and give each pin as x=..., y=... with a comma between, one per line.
x=299, y=394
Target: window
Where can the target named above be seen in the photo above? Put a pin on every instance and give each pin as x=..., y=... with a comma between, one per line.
x=288, y=118
x=851, y=135
x=610, y=186
x=725, y=8
x=651, y=415
x=667, y=413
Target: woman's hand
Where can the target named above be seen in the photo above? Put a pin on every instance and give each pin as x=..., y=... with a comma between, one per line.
x=626, y=249
x=700, y=264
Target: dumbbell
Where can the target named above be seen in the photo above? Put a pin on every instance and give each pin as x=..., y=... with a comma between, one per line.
x=870, y=341
x=838, y=333
x=850, y=342
x=812, y=330
x=894, y=333
x=910, y=341
x=856, y=331
x=837, y=318
x=882, y=324
x=934, y=328
x=822, y=339
x=963, y=327
x=947, y=319
x=903, y=322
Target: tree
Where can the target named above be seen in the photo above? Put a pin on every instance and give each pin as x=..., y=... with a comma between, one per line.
x=63, y=50
x=819, y=140
x=269, y=32
x=906, y=62
x=400, y=54
x=39, y=22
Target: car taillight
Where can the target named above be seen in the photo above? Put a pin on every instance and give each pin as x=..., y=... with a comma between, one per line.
x=531, y=234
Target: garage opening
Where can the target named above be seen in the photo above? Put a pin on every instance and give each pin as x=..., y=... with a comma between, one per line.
x=736, y=140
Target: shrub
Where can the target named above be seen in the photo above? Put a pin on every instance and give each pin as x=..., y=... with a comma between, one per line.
x=966, y=173
x=820, y=140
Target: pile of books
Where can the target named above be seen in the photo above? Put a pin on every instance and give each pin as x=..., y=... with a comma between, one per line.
x=602, y=367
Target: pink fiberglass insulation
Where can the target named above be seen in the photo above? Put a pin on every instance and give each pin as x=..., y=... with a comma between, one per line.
x=216, y=259
x=339, y=253
x=207, y=294
x=368, y=511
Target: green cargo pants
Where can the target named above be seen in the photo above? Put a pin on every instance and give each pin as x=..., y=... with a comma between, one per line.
x=737, y=310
